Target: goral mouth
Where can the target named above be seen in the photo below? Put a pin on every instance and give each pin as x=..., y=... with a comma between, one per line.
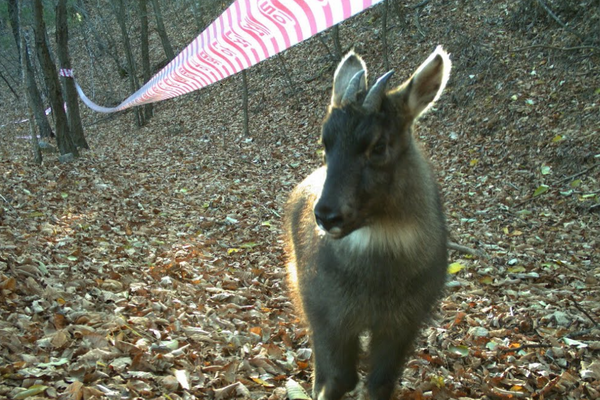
x=338, y=233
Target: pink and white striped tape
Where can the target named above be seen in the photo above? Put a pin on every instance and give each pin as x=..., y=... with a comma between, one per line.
x=248, y=32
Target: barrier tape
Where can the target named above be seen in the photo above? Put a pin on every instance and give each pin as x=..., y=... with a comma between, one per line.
x=66, y=72
x=248, y=32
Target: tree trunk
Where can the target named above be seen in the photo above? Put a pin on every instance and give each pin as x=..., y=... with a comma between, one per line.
x=197, y=15
x=245, y=104
x=28, y=78
x=35, y=97
x=62, y=43
x=162, y=32
x=143, y=6
x=337, y=44
x=13, y=15
x=133, y=82
x=63, y=137
x=384, y=21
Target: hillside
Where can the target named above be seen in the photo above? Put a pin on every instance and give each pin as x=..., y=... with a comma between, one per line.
x=152, y=266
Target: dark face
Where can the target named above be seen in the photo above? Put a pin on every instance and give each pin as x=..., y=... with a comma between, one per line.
x=361, y=153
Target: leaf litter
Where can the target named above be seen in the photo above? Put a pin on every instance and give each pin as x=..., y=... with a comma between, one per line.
x=152, y=266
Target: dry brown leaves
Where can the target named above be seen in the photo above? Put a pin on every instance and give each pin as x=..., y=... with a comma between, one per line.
x=152, y=266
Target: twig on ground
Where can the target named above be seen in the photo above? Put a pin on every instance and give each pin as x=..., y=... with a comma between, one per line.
x=547, y=388
x=577, y=306
x=8, y=203
x=496, y=392
x=579, y=173
x=273, y=211
x=421, y=4
x=558, y=183
x=467, y=250
x=584, y=332
x=526, y=346
x=545, y=46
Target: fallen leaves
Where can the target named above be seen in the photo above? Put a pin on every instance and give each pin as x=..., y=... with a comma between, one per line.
x=152, y=266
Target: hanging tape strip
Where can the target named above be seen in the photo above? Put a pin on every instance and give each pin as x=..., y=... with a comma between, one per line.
x=66, y=72
x=248, y=32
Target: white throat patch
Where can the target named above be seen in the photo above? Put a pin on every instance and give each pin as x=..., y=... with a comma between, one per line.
x=392, y=238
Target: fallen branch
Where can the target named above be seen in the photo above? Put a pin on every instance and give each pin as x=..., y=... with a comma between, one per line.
x=421, y=4
x=547, y=388
x=8, y=203
x=579, y=173
x=581, y=333
x=499, y=393
x=558, y=183
x=466, y=250
x=545, y=46
x=525, y=346
x=577, y=306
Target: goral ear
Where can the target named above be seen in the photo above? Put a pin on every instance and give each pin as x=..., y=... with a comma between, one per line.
x=426, y=85
x=350, y=65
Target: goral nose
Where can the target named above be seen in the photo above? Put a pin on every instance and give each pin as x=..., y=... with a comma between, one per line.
x=328, y=219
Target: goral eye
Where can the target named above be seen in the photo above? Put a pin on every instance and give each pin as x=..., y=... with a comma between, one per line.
x=379, y=149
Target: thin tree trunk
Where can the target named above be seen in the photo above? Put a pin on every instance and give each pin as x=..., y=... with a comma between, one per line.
x=36, y=99
x=145, y=52
x=197, y=15
x=63, y=137
x=28, y=78
x=91, y=34
x=62, y=42
x=13, y=15
x=401, y=14
x=286, y=73
x=384, y=20
x=162, y=32
x=337, y=44
x=133, y=82
x=245, y=104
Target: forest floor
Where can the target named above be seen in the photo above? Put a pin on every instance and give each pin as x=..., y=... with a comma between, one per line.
x=152, y=265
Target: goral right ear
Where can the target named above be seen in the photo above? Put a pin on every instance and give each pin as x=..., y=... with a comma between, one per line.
x=426, y=85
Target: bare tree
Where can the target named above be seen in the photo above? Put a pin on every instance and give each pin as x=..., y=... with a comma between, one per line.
x=120, y=14
x=13, y=14
x=143, y=9
x=71, y=96
x=162, y=32
x=33, y=94
x=63, y=136
x=27, y=80
x=198, y=15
